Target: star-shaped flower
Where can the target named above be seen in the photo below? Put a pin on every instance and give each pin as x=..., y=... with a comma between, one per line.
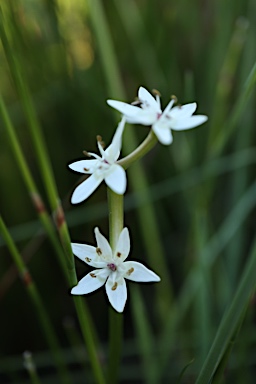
x=101, y=168
x=113, y=269
x=149, y=112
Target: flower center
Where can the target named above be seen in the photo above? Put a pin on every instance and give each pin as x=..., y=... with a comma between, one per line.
x=159, y=115
x=112, y=266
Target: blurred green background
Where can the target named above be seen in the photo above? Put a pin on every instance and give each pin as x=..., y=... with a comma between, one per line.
x=199, y=188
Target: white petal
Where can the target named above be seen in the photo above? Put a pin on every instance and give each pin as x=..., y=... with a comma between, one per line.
x=116, y=179
x=183, y=111
x=92, y=281
x=164, y=135
x=83, y=166
x=103, y=245
x=134, y=115
x=113, y=151
x=117, y=293
x=146, y=116
x=138, y=272
x=85, y=189
x=88, y=254
x=148, y=99
x=83, y=250
x=123, y=245
x=124, y=108
x=188, y=123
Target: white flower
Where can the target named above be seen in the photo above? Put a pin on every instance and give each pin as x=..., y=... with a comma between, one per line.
x=113, y=269
x=149, y=112
x=101, y=168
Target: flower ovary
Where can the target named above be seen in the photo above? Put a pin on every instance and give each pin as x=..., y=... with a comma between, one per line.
x=112, y=266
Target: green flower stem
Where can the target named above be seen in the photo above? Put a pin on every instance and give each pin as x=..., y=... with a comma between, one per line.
x=85, y=321
x=235, y=115
x=210, y=252
x=38, y=304
x=31, y=368
x=231, y=320
x=32, y=189
x=29, y=111
x=144, y=335
x=86, y=325
x=146, y=212
x=220, y=371
x=149, y=142
x=116, y=213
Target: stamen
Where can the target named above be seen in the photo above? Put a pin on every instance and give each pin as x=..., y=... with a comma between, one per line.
x=99, y=251
x=136, y=102
x=173, y=97
x=87, y=154
x=156, y=92
x=114, y=287
x=86, y=169
x=93, y=275
x=88, y=260
x=119, y=254
x=100, y=141
x=130, y=271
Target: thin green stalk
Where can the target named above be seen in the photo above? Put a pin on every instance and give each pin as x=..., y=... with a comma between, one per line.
x=149, y=142
x=75, y=342
x=145, y=341
x=218, y=375
x=226, y=79
x=29, y=111
x=38, y=304
x=89, y=338
x=116, y=214
x=146, y=212
x=235, y=115
x=231, y=319
x=30, y=184
x=86, y=324
x=85, y=321
x=210, y=253
x=31, y=368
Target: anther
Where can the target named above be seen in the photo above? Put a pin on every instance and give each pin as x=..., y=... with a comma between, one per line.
x=99, y=251
x=114, y=287
x=130, y=271
x=93, y=275
x=87, y=154
x=86, y=169
x=88, y=260
x=156, y=92
x=100, y=141
x=118, y=254
x=173, y=97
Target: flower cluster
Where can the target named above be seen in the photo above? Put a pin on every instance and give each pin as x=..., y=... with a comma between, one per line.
x=112, y=267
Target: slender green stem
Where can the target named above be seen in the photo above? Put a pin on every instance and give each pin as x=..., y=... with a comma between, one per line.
x=38, y=304
x=85, y=321
x=144, y=335
x=86, y=325
x=116, y=213
x=31, y=368
x=218, y=375
x=37, y=201
x=235, y=115
x=146, y=212
x=231, y=319
x=149, y=142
